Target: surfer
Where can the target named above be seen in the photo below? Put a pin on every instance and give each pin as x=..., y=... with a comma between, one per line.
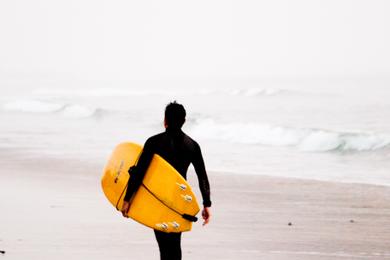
x=180, y=151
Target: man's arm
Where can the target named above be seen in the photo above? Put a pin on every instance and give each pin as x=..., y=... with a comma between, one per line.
x=137, y=175
x=204, y=185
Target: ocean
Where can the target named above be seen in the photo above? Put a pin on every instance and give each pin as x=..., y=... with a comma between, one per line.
x=323, y=129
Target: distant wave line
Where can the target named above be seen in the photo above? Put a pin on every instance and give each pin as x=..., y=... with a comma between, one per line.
x=120, y=92
x=305, y=139
x=38, y=106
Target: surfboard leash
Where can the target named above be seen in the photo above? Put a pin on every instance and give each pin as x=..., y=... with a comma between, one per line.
x=128, y=171
x=117, y=203
x=123, y=191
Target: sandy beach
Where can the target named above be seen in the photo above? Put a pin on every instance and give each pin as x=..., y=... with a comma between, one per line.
x=52, y=209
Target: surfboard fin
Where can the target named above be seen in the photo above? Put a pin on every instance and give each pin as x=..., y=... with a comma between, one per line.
x=181, y=186
x=189, y=217
x=187, y=198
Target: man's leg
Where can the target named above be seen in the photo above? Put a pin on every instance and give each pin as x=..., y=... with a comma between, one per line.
x=169, y=245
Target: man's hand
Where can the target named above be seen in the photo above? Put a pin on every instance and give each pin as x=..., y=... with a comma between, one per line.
x=206, y=215
x=125, y=208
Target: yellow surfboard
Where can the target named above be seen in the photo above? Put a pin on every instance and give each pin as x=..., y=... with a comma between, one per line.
x=164, y=201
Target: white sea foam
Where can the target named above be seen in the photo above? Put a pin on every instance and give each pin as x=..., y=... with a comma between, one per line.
x=37, y=106
x=120, y=92
x=305, y=139
x=32, y=106
x=78, y=111
x=98, y=92
x=254, y=92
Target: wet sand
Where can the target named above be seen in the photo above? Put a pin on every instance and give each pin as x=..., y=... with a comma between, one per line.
x=53, y=209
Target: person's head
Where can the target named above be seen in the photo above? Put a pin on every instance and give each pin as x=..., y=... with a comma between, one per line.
x=175, y=115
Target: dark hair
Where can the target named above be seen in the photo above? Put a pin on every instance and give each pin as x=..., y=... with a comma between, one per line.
x=175, y=115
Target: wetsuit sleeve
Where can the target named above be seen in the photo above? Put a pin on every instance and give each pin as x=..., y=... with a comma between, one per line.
x=200, y=170
x=138, y=173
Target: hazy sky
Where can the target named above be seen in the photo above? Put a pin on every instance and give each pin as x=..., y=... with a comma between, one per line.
x=95, y=39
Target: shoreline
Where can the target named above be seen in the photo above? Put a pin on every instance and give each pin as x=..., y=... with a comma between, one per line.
x=19, y=160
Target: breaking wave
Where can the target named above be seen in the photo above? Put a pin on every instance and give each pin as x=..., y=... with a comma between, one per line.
x=124, y=92
x=305, y=139
x=79, y=111
x=37, y=106
x=254, y=92
x=99, y=92
x=32, y=106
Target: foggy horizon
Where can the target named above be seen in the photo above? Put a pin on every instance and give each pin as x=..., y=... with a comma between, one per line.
x=101, y=40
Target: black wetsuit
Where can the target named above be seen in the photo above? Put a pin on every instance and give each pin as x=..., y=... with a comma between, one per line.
x=179, y=150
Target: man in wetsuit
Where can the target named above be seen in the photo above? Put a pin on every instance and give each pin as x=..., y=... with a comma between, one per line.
x=179, y=150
